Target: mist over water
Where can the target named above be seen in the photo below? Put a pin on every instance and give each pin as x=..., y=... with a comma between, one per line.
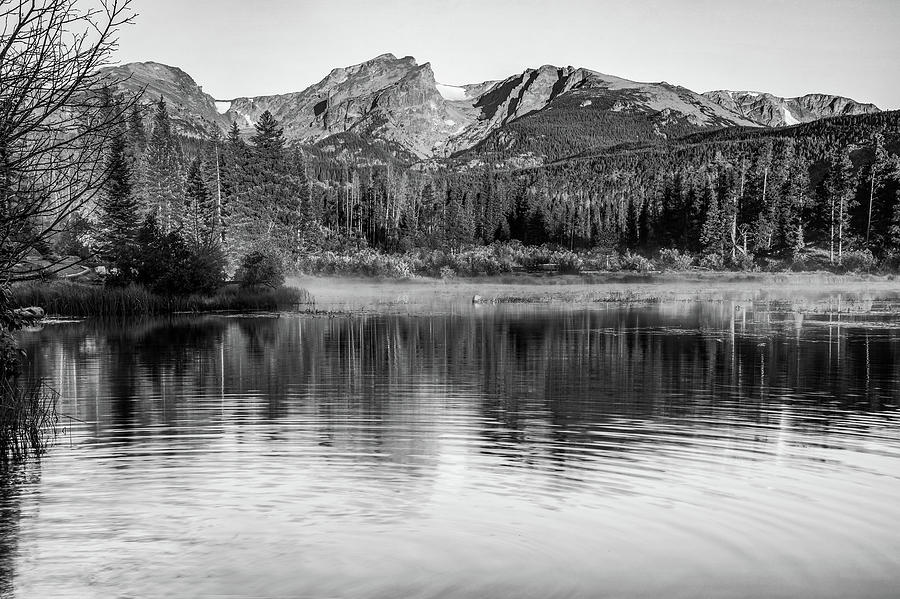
x=677, y=449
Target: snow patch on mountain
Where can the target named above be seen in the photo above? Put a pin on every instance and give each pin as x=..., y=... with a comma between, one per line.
x=789, y=118
x=452, y=92
x=223, y=107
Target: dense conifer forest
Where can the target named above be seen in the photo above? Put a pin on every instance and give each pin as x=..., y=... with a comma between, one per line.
x=732, y=198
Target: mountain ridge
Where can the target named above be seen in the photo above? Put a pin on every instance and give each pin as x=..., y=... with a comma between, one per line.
x=398, y=102
x=775, y=111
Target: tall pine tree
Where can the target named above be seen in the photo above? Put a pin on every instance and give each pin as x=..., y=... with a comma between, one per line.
x=119, y=218
x=163, y=177
x=199, y=214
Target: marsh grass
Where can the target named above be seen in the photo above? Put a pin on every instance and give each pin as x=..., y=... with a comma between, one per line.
x=29, y=420
x=73, y=299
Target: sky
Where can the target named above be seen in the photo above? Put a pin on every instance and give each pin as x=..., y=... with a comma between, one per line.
x=785, y=47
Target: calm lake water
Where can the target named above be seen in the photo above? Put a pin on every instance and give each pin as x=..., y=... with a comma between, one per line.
x=680, y=449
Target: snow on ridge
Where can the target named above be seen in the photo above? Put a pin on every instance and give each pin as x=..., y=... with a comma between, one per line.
x=789, y=118
x=452, y=92
x=222, y=107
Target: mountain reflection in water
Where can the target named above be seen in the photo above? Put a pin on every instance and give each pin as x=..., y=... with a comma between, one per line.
x=677, y=449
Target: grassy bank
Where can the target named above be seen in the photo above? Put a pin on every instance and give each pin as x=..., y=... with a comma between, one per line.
x=62, y=298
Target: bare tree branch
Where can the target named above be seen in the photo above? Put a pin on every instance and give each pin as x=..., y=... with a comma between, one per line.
x=55, y=116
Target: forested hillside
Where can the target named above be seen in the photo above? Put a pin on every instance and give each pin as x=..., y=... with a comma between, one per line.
x=832, y=183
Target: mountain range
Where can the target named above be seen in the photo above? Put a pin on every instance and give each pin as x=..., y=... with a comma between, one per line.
x=537, y=115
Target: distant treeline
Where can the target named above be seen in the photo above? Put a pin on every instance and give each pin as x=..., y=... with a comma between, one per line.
x=729, y=195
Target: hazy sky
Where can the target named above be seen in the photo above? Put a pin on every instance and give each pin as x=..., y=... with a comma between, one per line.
x=787, y=47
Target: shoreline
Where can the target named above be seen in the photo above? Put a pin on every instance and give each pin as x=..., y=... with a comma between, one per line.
x=364, y=295
x=341, y=295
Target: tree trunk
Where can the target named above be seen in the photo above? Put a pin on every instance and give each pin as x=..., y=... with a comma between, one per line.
x=871, y=198
x=219, y=199
x=831, y=247
x=841, y=230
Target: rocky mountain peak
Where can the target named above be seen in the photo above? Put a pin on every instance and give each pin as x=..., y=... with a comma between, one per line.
x=192, y=110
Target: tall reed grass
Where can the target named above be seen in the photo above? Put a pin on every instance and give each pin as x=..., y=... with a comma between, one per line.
x=62, y=298
x=29, y=419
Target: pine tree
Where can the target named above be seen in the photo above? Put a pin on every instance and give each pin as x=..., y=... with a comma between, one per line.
x=233, y=166
x=794, y=202
x=269, y=139
x=712, y=236
x=234, y=136
x=199, y=221
x=119, y=218
x=162, y=125
x=163, y=176
x=137, y=135
x=270, y=193
x=893, y=170
x=877, y=173
x=310, y=210
x=840, y=185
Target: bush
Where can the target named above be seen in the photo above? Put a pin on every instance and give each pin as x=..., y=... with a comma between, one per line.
x=636, y=262
x=167, y=264
x=364, y=262
x=821, y=259
x=712, y=262
x=811, y=260
x=744, y=262
x=675, y=260
x=597, y=260
x=567, y=262
x=191, y=270
x=858, y=261
x=261, y=269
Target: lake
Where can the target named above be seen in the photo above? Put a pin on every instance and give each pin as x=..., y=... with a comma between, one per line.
x=716, y=448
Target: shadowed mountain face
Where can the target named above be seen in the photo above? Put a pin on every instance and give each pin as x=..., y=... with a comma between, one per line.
x=773, y=111
x=539, y=114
